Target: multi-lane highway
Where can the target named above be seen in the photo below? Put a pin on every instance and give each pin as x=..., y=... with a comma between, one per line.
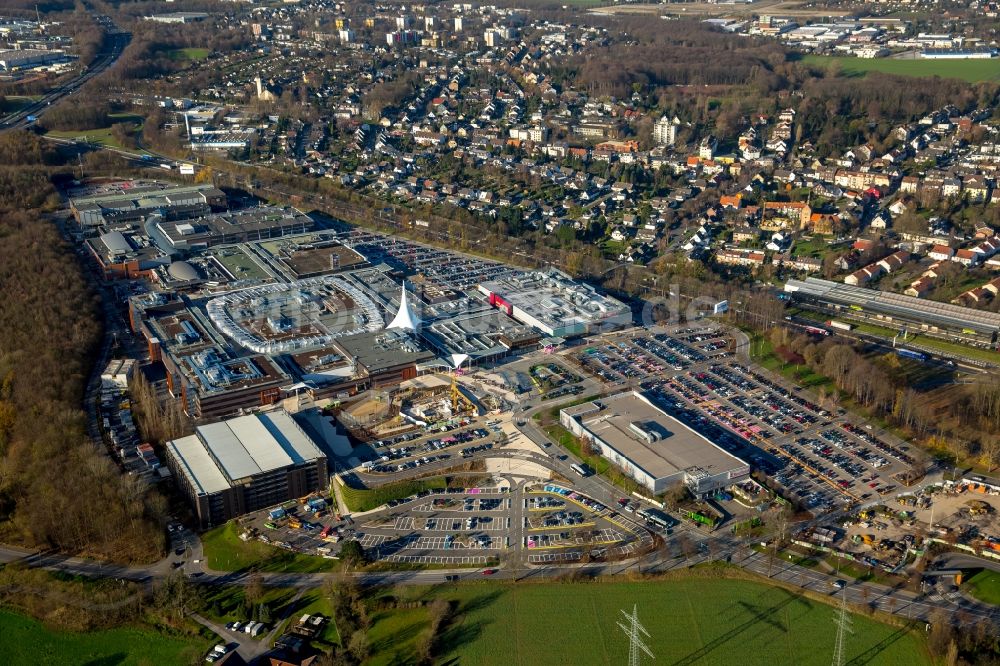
x=115, y=43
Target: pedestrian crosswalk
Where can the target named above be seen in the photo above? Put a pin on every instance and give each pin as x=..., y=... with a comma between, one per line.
x=549, y=558
x=439, y=559
x=384, y=544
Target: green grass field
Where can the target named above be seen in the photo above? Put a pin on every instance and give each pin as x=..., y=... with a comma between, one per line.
x=225, y=551
x=125, y=117
x=985, y=586
x=393, y=636
x=972, y=71
x=367, y=499
x=700, y=621
x=103, y=136
x=28, y=642
x=814, y=247
x=240, y=265
x=188, y=54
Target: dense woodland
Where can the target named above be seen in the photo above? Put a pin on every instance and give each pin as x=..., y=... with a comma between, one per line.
x=57, y=488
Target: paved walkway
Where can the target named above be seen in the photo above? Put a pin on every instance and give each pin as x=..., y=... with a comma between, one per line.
x=341, y=505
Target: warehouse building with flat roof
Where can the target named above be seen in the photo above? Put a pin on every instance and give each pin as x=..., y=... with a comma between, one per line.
x=12, y=60
x=126, y=202
x=231, y=227
x=555, y=304
x=652, y=447
x=245, y=464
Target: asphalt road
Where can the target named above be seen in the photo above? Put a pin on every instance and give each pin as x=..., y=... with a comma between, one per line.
x=716, y=546
x=898, y=602
x=117, y=41
x=964, y=561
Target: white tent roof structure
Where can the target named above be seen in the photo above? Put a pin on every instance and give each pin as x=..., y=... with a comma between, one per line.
x=405, y=319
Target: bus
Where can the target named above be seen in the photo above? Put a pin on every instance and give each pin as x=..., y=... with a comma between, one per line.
x=816, y=330
x=656, y=517
x=909, y=353
x=582, y=470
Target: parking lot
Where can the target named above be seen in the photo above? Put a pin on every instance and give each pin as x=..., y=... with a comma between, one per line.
x=477, y=526
x=442, y=526
x=821, y=459
x=568, y=526
x=420, y=448
x=311, y=526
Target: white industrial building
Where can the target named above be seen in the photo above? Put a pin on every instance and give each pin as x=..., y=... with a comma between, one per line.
x=652, y=447
x=16, y=59
x=555, y=304
x=177, y=17
x=221, y=139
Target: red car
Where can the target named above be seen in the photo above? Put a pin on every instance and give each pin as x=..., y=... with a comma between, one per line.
x=489, y=572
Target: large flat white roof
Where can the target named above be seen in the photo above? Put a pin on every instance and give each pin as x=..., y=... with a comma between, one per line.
x=196, y=465
x=554, y=299
x=258, y=443
x=677, y=449
x=221, y=454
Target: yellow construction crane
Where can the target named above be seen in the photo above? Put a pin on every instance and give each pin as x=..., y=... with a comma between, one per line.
x=456, y=395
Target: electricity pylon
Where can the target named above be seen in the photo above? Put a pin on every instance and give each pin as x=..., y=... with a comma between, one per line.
x=635, y=631
x=843, y=622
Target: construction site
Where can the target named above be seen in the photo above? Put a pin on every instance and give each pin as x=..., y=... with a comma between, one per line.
x=964, y=515
x=412, y=405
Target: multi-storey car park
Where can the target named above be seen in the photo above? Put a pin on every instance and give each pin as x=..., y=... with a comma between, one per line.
x=245, y=464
